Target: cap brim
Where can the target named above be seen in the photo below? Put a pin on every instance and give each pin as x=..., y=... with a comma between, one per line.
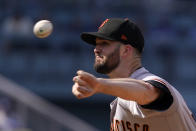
x=90, y=37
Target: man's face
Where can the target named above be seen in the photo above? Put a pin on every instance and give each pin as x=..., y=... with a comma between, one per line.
x=107, y=56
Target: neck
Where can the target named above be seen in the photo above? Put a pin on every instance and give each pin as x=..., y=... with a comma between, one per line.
x=126, y=70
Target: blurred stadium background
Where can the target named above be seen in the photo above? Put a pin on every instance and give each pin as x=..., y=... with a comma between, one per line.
x=36, y=82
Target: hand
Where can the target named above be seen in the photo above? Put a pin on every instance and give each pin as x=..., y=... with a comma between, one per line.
x=85, y=85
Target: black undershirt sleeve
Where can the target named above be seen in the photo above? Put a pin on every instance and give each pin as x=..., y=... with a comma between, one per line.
x=164, y=101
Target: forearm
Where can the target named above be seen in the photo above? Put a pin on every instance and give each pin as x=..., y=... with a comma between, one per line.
x=87, y=85
x=129, y=89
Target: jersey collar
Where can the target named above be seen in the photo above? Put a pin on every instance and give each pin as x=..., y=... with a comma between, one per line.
x=138, y=72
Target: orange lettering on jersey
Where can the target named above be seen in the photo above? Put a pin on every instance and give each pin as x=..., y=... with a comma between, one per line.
x=103, y=23
x=136, y=126
x=128, y=124
x=123, y=125
x=145, y=127
x=117, y=125
x=112, y=125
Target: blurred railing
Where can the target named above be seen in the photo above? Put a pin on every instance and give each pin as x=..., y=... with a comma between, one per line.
x=24, y=110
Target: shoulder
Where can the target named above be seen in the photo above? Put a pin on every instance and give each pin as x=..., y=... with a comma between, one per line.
x=165, y=99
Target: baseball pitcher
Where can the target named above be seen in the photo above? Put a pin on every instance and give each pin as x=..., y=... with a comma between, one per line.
x=144, y=101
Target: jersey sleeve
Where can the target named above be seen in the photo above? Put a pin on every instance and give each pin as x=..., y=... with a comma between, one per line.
x=164, y=101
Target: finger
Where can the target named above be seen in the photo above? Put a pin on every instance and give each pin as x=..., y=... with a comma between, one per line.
x=80, y=96
x=81, y=72
x=85, y=76
x=84, y=90
x=74, y=88
x=75, y=79
x=80, y=82
x=80, y=89
x=75, y=92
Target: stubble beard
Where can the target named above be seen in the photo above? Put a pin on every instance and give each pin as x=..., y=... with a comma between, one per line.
x=111, y=62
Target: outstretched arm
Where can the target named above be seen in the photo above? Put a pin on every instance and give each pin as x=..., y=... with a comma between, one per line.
x=140, y=91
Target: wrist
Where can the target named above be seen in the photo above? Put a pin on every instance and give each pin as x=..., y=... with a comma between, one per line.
x=99, y=86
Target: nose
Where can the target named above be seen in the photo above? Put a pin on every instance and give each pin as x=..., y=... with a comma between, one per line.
x=97, y=49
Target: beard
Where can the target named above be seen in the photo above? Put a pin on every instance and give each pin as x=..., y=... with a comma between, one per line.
x=109, y=64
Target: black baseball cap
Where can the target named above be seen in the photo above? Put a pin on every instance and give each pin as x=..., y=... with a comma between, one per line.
x=117, y=29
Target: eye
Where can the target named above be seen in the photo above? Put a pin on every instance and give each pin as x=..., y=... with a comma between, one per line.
x=105, y=44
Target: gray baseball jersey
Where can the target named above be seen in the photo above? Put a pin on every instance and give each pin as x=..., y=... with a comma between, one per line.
x=130, y=116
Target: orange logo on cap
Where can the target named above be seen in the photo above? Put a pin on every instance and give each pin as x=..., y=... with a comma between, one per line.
x=123, y=37
x=103, y=23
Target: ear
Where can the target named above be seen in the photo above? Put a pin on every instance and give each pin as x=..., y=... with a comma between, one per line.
x=126, y=50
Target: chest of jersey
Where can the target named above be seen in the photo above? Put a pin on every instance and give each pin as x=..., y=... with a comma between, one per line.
x=127, y=116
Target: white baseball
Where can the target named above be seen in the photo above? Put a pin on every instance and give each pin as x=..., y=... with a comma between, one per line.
x=43, y=28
